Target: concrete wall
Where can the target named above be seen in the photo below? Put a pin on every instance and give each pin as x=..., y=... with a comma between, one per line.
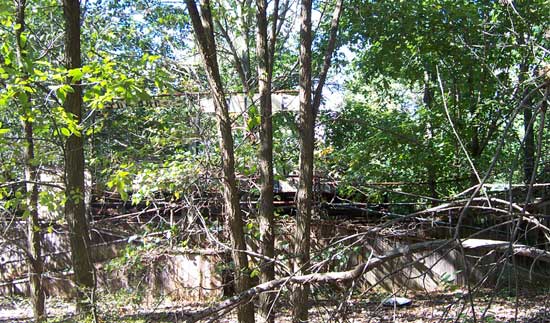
x=180, y=275
x=194, y=275
x=189, y=276
x=53, y=192
x=56, y=257
x=429, y=270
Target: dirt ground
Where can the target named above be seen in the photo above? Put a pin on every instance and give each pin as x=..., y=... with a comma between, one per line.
x=434, y=307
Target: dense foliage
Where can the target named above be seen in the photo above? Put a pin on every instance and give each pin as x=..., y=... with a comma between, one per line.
x=430, y=77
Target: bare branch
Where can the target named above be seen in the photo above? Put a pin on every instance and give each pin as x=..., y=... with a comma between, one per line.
x=328, y=54
x=362, y=268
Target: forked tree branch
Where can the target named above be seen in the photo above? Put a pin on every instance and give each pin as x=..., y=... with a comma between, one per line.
x=328, y=54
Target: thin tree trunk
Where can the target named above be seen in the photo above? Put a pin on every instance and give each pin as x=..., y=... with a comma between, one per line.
x=267, y=238
x=475, y=148
x=327, y=61
x=304, y=198
x=31, y=177
x=308, y=110
x=431, y=170
x=529, y=147
x=74, y=168
x=33, y=231
x=239, y=45
x=203, y=27
x=529, y=139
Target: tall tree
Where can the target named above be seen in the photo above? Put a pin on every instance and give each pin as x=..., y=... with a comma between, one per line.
x=204, y=33
x=74, y=166
x=309, y=104
x=304, y=197
x=264, y=51
x=31, y=174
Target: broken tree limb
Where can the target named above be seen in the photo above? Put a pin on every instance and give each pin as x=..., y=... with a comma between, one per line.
x=462, y=204
x=518, y=249
x=361, y=269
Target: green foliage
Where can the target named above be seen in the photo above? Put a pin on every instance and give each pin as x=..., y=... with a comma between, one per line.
x=339, y=256
x=448, y=281
x=285, y=145
x=153, y=149
x=120, y=181
x=394, y=127
x=130, y=261
x=386, y=141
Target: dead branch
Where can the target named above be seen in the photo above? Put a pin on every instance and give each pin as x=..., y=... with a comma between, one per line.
x=361, y=269
x=462, y=203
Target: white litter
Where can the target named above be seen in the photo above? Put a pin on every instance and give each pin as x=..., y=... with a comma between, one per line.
x=397, y=301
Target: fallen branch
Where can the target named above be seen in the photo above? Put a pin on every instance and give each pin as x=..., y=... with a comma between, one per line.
x=361, y=269
x=462, y=204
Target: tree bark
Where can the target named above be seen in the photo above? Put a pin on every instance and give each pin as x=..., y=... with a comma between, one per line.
x=430, y=170
x=238, y=40
x=307, y=115
x=33, y=231
x=304, y=198
x=267, y=239
x=529, y=139
x=204, y=33
x=74, y=168
x=34, y=240
x=529, y=146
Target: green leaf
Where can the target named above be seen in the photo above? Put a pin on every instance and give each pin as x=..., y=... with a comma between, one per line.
x=253, y=122
x=123, y=195
x=66, y=132
x=255, y=273
x=76, y=74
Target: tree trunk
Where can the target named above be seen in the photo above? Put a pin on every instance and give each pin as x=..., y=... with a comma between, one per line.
x=203, y=28
x=238, y=40
x=31, y=177
x=266, y=160
x=431, y=170
x=74, y=168
x=308, y=111
x=475, y=147
x=528, y=127
x=34, y=243
x=529, y=146
x=304, y=198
